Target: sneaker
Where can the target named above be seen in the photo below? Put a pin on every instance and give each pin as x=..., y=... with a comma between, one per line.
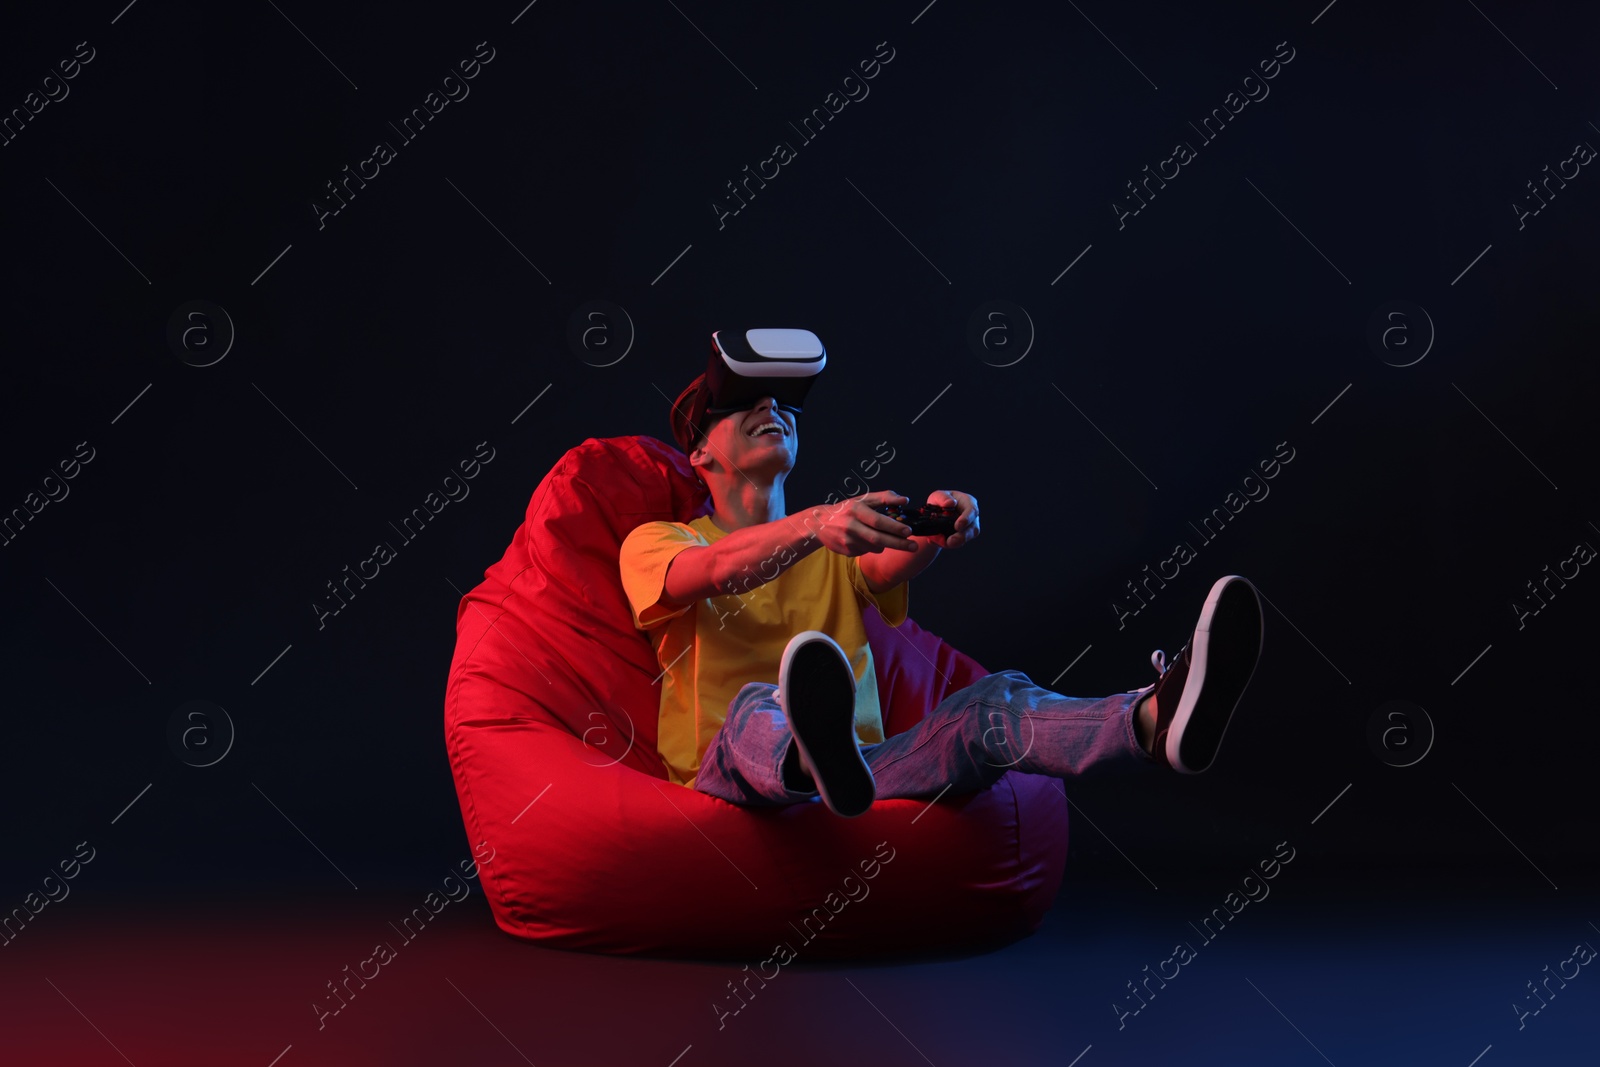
x=817, y=691
x=1197, y=692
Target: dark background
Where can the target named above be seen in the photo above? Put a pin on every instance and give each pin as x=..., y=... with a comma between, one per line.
x=380, y=350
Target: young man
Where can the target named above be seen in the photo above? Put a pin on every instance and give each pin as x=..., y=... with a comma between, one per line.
x=769, y=694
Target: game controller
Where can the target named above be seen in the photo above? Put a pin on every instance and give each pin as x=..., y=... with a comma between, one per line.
x=923, y=518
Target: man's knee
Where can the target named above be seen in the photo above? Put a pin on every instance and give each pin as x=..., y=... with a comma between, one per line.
x=754, y=695
x=753, y=701
x=998, y=731
x=997, y=688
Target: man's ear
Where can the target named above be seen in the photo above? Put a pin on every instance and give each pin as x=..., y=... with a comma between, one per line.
x=699, y=456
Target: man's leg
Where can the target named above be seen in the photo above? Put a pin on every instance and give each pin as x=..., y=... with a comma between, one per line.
x=1004, y=721
x=972, y=738
x=750, y=760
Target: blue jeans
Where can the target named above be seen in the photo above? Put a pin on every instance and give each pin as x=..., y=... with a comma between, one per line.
x=999, y=723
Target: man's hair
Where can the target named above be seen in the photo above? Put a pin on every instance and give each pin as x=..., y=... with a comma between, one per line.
x=701, y=433
x=689, y=419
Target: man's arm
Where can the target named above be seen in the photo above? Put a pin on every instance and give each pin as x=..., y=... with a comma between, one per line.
x=743, y=559
x=738, y=560
x=887, y=569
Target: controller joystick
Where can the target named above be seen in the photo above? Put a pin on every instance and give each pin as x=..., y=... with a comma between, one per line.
x=924, y=519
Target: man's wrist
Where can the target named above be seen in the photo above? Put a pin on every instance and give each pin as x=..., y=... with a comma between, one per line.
x=892, y=567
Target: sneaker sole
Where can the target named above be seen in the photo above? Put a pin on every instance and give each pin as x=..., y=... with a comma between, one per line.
x=1227, y=646
x=815, y=678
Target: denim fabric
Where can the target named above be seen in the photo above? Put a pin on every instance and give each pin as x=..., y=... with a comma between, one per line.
x=975, y=735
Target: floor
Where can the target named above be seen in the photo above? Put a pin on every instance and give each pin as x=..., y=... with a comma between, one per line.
x=1369, y=970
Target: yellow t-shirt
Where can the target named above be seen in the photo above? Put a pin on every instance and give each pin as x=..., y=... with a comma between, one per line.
x=712, y=648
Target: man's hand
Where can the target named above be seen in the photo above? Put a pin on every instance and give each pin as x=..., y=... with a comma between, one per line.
x=853, y=527
x=966, y=523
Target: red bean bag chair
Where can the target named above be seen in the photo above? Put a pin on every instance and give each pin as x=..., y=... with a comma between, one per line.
x=550, y=722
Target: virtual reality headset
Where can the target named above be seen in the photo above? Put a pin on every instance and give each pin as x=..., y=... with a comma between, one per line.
x=743, y=368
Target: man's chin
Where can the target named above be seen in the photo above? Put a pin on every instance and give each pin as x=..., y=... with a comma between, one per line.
x=772, y=460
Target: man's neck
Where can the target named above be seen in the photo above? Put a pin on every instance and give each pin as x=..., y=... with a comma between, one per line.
x=748, y=504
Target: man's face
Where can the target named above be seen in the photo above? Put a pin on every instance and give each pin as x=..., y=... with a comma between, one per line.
x=762, y=438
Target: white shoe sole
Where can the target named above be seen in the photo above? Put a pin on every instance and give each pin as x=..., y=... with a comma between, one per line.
x=816, y=674
x=1215, y=686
